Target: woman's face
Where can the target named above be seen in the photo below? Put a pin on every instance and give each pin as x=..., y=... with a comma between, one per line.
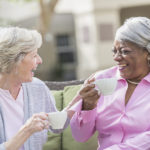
x=24, y=69
x=131, y=60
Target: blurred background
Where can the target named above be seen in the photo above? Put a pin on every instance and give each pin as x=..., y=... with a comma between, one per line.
x=77, y=34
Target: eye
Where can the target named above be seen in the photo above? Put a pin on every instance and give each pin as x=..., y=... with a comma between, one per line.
x=125, y=52
x=35, y=55
x=114, y=51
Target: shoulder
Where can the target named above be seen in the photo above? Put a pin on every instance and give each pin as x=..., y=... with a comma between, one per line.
x=38, y=93
x=107, y=73
x=36, y=87
x=35, y=83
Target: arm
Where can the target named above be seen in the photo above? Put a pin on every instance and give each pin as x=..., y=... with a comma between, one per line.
x=78, y=97
x=83, y=124
x=83, y=121
x=139, y=142
x=18, y=140
x=36, y=123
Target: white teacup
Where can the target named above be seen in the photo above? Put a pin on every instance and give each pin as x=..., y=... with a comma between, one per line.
x=57, y=119
x=106, y=86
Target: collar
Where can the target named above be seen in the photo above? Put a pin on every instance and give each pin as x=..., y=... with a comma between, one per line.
x=147, y=77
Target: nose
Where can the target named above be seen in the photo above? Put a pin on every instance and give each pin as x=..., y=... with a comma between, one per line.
x=39, y=60
x=117, y=57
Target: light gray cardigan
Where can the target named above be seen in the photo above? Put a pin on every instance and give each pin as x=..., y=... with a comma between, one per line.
x=37, y=98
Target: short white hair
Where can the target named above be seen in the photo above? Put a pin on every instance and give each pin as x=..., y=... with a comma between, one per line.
x=15, y=43
x=135, y=30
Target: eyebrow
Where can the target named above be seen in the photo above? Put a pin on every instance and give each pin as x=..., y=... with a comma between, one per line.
x=113, y=48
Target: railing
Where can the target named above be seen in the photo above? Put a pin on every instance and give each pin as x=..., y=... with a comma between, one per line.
x=54, y=85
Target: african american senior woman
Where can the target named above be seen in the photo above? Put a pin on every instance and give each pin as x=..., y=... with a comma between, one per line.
x=24, y=100
x=121, y=119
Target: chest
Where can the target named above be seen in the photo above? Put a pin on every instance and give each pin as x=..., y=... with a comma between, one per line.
x=113, y=111
x=12, y=109
x=129, y=92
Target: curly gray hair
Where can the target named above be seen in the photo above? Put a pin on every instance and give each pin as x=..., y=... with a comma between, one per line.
x=15, y=43
x=135, y=30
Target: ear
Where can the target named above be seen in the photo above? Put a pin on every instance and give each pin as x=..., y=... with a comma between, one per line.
x=148, y=59
x=148, y=56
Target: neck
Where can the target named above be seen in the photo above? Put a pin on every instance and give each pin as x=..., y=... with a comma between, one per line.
x=10, y=83
x=133, y=82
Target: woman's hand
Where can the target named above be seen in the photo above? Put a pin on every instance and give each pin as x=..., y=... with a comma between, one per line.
x=37, y=122
x=89, y=95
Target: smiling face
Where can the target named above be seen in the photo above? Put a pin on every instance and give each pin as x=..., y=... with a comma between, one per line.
x=131, y=60
x=24, y=69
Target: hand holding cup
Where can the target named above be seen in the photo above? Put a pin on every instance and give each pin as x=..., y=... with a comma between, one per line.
x=89, y=95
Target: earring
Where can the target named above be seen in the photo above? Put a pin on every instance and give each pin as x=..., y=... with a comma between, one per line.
x=148, y=61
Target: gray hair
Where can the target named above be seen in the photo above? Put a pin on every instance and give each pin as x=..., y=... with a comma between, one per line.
x=15, y=43
x=135, y=30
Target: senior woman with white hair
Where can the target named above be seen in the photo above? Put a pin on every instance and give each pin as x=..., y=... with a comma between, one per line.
x=24, y=100
x=122, y=119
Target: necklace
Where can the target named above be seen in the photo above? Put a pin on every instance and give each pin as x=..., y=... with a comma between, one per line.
x=132, y=82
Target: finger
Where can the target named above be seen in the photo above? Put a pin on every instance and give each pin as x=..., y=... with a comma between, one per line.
x=90, y=77
x=46, y=124
x=91, y=93
x=91, y=80
x=42, y=115
x=91, y=101
x=96, y=97
x=41, y=126
x=36, y=119
x=47, y=127
x=86, y=88
x=88, y=81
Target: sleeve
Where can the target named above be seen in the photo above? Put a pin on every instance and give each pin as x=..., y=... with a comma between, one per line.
x=2, y=146
x=139, y=142
x=82, y=123
x=51, y=107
